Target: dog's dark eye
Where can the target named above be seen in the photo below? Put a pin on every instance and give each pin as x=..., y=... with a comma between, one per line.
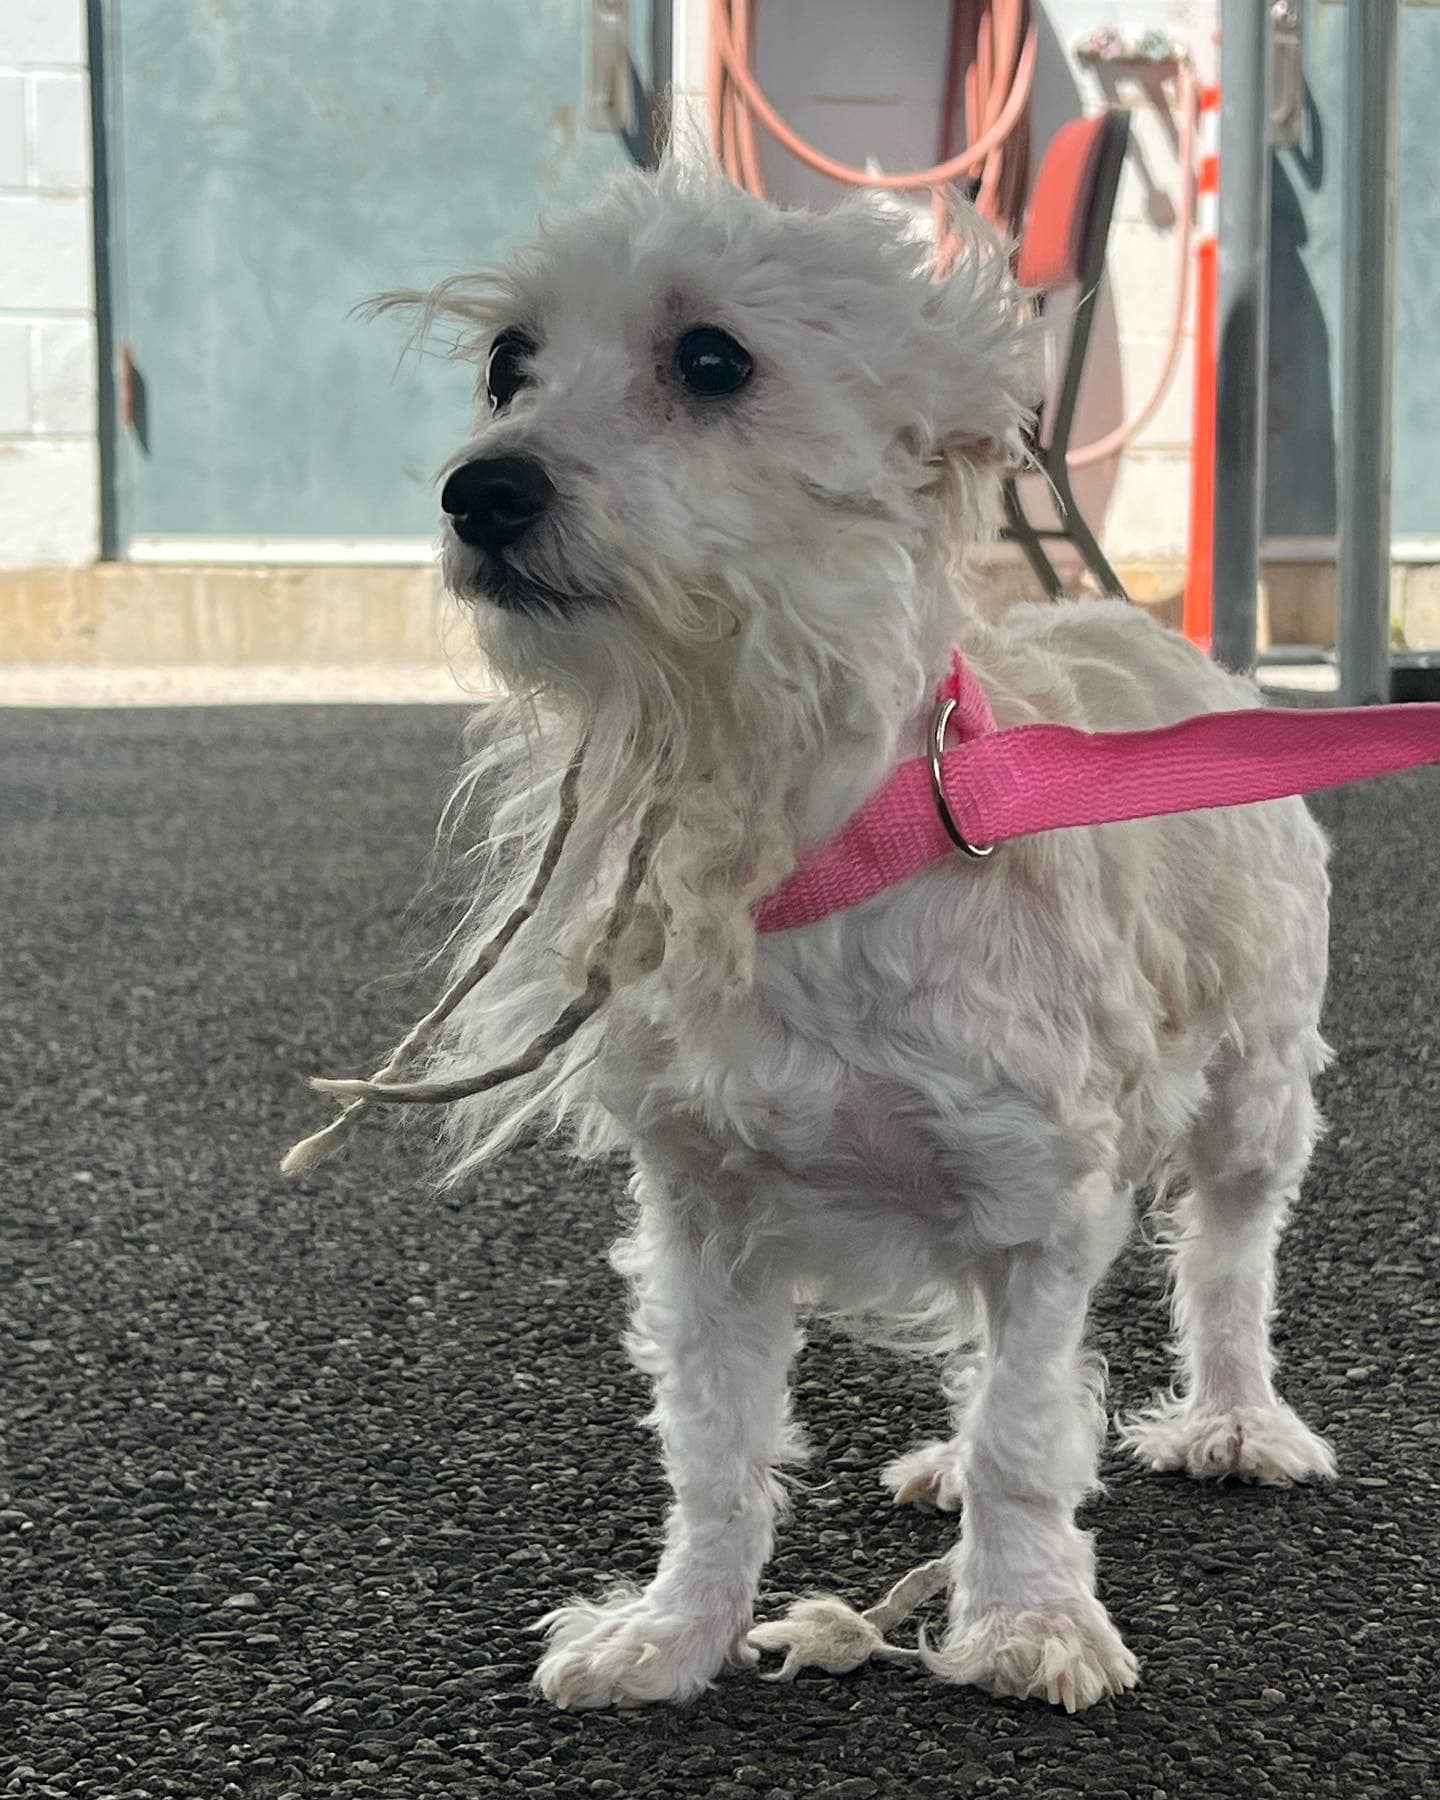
x=710, y=363
x=507, y=369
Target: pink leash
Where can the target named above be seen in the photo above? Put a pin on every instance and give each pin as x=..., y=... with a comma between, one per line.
x=996, y=784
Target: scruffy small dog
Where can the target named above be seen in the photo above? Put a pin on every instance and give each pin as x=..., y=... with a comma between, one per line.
x=713, y=526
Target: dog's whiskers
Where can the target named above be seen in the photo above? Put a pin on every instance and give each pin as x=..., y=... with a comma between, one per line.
x=313, y=1149
x=599, y=983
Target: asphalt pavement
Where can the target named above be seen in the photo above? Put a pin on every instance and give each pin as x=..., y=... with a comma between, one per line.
x=288, y=1471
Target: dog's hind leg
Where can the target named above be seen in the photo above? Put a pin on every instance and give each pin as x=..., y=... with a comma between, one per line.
x=1246, y=1156
x=930, y=1474
x=1025, y=1619
x=716, y=1331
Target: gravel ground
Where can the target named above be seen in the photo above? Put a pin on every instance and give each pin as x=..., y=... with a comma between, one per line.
x=290, y=1470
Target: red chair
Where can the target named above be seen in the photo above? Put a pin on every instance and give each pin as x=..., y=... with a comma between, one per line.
x=1062, y=243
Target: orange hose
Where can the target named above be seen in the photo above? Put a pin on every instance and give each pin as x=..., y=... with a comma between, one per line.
x=994, y=43
x=734, y=91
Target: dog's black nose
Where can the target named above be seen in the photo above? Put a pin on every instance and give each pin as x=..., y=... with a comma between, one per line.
x=495, y=500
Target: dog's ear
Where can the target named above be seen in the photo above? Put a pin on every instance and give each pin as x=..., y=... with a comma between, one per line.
x=979, y=450
x=960, y=472
x=903, y=215
x=984, y=350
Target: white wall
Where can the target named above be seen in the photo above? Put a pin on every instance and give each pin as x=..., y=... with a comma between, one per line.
x=864, y=80
x=49, y=452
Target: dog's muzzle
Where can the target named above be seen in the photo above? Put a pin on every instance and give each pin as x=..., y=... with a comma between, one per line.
x=492, y=502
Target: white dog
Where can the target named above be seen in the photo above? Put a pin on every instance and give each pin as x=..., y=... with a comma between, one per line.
x=713, y=526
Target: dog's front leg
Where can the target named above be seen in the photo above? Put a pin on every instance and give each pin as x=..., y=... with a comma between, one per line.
x=1025, y=1619
x=716, y=1331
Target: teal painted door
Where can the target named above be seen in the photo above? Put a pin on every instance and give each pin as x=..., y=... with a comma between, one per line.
x=1305, y=253
x=272, y=163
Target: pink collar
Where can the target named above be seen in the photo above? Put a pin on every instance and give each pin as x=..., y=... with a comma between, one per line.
x=995, y=784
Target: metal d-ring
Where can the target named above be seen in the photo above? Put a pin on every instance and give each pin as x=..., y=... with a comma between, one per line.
x=956, y=836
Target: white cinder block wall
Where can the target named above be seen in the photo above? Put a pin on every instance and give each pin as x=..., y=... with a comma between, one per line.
x=49, y=451
x=857, y=79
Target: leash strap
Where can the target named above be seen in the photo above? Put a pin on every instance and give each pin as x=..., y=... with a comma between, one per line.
x=1007, y=784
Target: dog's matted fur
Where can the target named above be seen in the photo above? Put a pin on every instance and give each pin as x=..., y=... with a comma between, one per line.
x=765, y=443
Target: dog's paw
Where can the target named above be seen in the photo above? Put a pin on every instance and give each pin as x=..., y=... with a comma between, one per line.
x=928, y=1476
x=1271, y=1445
x=625, y=1651
x=1069, y=1658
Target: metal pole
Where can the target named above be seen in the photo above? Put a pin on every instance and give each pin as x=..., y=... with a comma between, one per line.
x=1372, y=73
x=1242, y=326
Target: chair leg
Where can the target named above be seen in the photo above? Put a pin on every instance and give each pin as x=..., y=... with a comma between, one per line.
x=1084, y=540
x=1020, y=531
x=1096, y=560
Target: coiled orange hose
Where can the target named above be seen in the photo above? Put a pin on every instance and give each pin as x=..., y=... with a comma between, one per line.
x=991, y=55
x=998, y=75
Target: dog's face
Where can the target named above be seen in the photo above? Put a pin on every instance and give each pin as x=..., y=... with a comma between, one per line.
x=687, y=395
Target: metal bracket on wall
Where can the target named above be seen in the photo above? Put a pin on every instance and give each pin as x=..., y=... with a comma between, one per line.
x=132, y=400
x=609, y=87
x=1287, y=74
